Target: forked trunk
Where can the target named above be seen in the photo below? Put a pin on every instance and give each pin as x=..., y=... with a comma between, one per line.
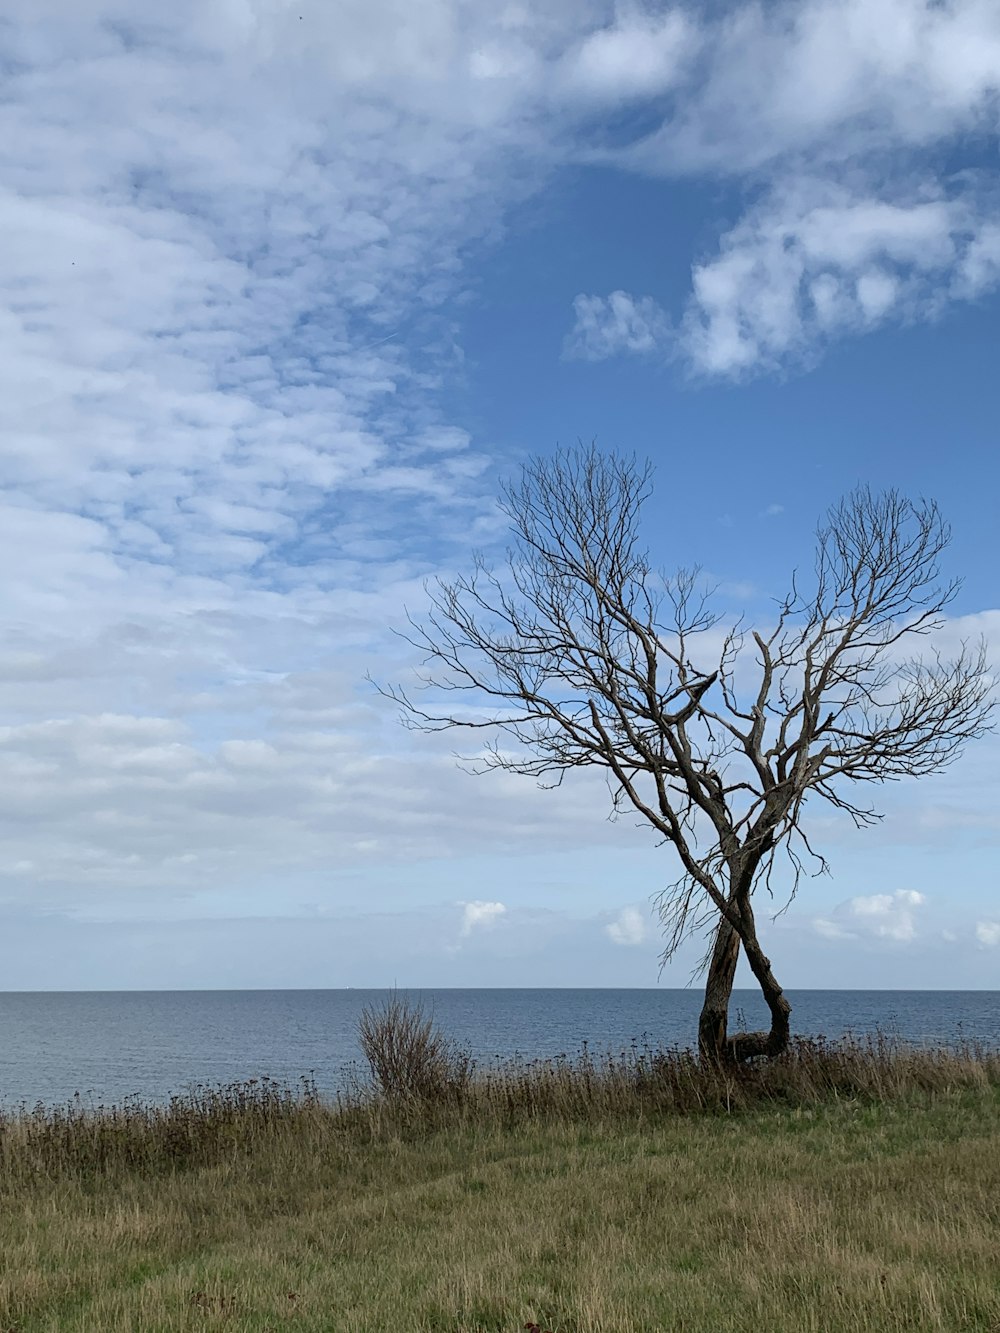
x=714, y=1043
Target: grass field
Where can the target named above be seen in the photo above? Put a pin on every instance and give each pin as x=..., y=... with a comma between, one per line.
x=862, y=1198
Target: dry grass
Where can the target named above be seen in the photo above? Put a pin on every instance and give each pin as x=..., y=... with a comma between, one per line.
x=852, y=1188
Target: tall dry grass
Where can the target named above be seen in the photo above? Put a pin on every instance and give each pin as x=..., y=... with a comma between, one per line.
x=420, y=1076
x=418, y=1080
x=192, y=1129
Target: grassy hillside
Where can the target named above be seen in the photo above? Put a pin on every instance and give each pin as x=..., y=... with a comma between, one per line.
x=854, y=1193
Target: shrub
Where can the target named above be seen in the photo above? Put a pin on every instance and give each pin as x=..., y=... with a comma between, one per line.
x=409, y=1057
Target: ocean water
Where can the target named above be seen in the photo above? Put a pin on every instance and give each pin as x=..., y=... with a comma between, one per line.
x=107, y=1046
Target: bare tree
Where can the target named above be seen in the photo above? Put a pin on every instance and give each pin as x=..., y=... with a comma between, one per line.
x=584, y=655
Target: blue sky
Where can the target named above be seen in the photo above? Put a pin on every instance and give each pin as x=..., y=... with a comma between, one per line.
x=287, y=289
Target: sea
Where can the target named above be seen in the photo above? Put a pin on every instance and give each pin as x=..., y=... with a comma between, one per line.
x=107, y=1047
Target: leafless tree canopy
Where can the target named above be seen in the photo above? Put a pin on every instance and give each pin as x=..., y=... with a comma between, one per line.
x=578, y=652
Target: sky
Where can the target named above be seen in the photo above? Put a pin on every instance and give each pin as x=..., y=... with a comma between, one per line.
x=288, y=289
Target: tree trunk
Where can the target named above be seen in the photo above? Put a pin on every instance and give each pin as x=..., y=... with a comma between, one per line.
x=714, y=1019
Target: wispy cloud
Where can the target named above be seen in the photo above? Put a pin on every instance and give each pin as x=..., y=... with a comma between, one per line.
x=609, y=326
x=637, y=55
x=887, y=916
x=988, y=933
x=831, y=930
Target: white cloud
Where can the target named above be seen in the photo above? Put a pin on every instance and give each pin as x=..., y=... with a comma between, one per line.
x=988, y=933
x=887, y=915
x=630, y=927
x=876, y=916
x=815, y=261
x=480, y=916
x=609, y=326
x=812, y=262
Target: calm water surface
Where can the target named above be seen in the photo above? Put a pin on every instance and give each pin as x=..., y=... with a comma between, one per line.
x=111, y=1045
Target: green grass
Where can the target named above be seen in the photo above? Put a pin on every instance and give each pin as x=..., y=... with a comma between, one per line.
x=839, y=1191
